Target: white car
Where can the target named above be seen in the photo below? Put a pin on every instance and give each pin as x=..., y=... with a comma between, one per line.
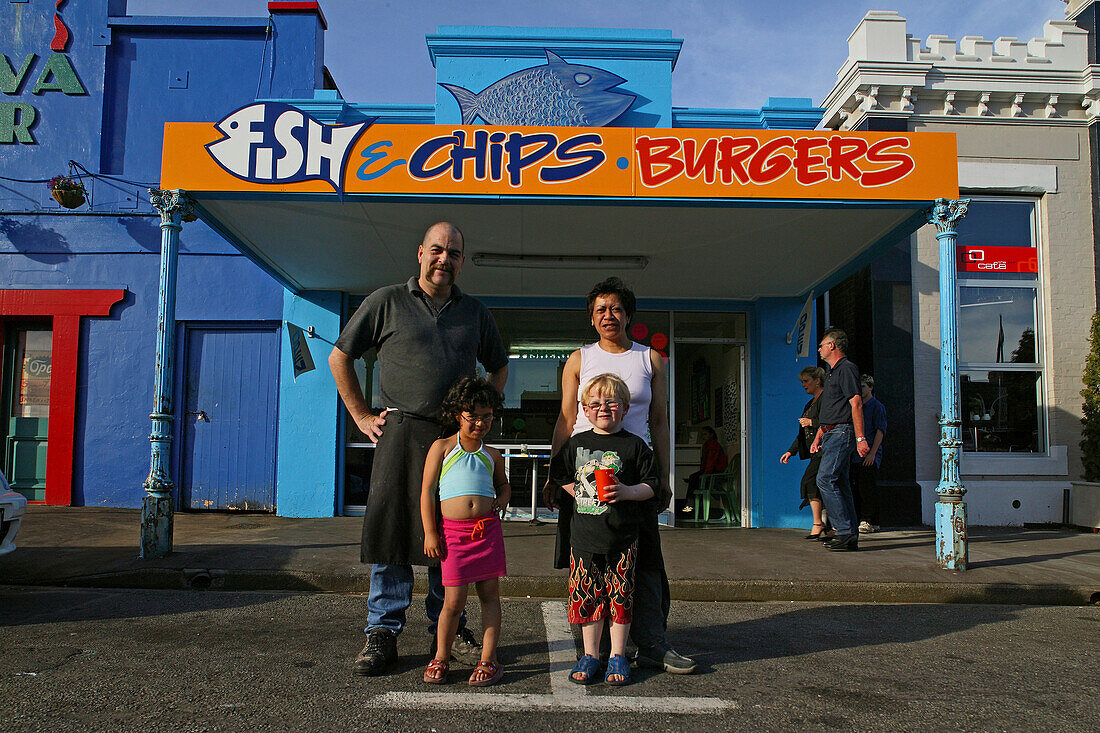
x=12, y=508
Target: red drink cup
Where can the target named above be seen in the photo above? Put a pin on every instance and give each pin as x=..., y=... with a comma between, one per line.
x=604, y=477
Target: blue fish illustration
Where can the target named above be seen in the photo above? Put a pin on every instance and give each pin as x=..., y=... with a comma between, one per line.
x=557, y=93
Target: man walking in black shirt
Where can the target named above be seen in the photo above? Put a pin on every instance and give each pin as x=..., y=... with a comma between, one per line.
x=841, y=427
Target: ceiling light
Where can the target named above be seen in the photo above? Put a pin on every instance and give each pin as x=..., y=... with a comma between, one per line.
x=561, y=262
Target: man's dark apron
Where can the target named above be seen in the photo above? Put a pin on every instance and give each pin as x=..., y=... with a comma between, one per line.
x=393, y=533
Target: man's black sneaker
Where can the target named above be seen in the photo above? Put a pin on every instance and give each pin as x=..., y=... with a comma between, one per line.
x=379, y=653
x=465, y=648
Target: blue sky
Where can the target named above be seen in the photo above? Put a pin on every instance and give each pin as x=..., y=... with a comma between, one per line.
x=736, y=53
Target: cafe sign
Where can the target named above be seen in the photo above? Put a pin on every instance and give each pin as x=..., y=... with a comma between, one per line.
x=270, y=147
x=997, y=259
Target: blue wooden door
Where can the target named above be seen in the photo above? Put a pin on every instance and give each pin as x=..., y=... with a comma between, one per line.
x=229, y=417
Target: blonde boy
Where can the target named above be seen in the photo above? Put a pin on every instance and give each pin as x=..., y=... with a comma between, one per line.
x=603, y=534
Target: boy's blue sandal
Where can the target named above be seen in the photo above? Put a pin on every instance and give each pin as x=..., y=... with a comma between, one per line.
x=619, y=665
x=589, y=666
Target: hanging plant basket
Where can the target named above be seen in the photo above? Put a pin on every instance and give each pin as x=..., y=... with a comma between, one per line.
x=69, y=192
x=68, y=197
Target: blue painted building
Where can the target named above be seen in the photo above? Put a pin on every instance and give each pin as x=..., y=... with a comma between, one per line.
x=721, y=286
x=126, y=77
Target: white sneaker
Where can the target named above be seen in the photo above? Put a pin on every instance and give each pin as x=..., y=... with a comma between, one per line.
x=866, y=527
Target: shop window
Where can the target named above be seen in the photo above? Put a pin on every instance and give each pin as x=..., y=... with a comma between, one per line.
x=539, y=341
x=1001, y=366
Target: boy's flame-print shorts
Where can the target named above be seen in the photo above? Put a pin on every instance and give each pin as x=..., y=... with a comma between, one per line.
x=601, y=584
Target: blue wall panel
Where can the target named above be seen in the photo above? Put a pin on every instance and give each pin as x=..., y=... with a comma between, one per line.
x=154, y=74
x=309, y=410
x=226, y=288
x=777, y=400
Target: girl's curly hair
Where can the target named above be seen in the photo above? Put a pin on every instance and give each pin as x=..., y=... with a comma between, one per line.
x=469, y=393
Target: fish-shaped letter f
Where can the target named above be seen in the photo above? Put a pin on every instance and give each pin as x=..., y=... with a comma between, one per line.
x=271, y=142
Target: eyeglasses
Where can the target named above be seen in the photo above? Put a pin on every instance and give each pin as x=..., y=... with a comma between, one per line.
x=480, y=420
x=609, y=404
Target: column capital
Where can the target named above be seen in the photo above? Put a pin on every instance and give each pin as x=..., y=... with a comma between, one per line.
x=945, y=212
x=173, y=205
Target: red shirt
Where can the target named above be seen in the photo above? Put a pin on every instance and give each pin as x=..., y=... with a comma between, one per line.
x=713, y=458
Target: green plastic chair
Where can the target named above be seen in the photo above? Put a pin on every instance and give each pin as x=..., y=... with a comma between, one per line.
x=720, y=490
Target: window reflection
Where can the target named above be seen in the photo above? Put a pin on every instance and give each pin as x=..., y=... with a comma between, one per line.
x=1000, y=411
x=996, y=224
x=998, y=324
x=1002, y=407
x=538, y=341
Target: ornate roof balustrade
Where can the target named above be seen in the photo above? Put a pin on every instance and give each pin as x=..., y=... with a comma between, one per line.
x=890, y=73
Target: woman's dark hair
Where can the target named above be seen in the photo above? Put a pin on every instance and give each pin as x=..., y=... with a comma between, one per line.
x=613, y=286
x=708, y=432
x=469, y=393
x=814, y=372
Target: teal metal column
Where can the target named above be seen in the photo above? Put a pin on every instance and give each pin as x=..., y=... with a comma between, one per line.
x=951, y=548
x=156, y=508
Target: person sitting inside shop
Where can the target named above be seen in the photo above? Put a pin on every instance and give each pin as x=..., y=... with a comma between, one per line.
x=712, y=459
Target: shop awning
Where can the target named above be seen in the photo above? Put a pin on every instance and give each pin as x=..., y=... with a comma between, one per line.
x=702, y=213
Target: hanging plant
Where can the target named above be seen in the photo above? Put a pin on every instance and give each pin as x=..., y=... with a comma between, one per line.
x=69, y=192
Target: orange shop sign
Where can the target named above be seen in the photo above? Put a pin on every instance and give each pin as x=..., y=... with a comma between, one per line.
x=277, y=148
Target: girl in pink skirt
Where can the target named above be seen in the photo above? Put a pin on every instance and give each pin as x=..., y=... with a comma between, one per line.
x=465, y=485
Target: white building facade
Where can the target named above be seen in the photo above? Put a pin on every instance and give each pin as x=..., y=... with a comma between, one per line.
x=1024, y=114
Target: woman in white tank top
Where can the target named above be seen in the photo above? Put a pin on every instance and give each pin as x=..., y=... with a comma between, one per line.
x=611, y=308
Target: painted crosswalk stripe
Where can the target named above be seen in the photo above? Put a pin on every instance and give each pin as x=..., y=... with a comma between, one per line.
x=564, y=695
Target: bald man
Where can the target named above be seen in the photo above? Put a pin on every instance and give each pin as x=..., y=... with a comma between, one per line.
x=427, y=334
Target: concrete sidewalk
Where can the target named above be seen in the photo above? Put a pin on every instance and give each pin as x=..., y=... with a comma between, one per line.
x=87, y=546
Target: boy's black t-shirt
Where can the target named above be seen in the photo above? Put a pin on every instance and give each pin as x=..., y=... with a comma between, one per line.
x=599, y=527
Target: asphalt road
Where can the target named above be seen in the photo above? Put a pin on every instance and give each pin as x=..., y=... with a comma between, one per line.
x=105, y=660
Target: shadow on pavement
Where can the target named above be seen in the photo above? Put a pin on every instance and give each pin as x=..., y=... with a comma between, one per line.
x=31, y=606
x=1008, y=561
x=823, y=628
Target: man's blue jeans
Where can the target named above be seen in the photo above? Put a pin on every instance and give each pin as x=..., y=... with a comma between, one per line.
x=832, y=478
x=391, y=588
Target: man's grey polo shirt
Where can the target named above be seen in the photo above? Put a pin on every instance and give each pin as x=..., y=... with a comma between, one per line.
x=421, y=353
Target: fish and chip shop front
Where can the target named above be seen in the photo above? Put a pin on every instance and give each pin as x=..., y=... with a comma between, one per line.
x=728, y=224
